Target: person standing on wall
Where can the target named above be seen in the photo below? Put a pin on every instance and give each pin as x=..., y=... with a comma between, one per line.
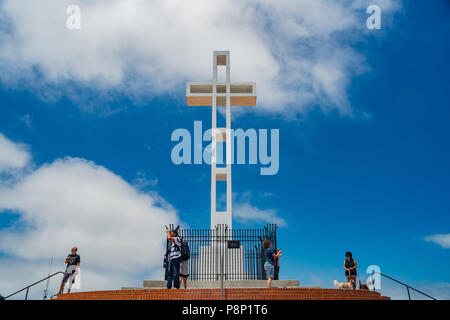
x=350, y=269
x=269, y=265
x=173, y=274
x=185, y=255
x=73, y=263
x=184, y=272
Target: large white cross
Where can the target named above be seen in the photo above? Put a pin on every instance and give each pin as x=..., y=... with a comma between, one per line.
x=215, y=94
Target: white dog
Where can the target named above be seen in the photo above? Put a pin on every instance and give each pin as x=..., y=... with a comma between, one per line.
x=344, y=285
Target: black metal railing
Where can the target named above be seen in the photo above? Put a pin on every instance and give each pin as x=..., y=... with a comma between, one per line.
x=408, y=287
x=27, y=288
x=237, y=254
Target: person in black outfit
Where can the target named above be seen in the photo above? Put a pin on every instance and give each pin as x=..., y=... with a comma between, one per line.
x=73, y=263
x=350, y=268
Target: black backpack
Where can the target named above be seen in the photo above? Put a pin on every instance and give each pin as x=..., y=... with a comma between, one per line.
x=185, y=250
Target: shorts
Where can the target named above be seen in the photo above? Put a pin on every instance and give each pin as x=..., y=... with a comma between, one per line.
x=270, y=270
x=184, y=269
x=352, y=272
x=67, y=275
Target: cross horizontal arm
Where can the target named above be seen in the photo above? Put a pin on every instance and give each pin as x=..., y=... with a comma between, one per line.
x=201, y=93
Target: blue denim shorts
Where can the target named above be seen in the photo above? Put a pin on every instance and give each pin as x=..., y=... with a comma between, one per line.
x=270, y=269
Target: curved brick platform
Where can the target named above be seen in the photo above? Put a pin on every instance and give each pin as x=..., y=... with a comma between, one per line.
x=229, y=294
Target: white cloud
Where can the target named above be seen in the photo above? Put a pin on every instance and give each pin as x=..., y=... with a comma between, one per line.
x=12, y=155
x=247, y=213
x=118, y=229
x=440, y=239
x=299, y=52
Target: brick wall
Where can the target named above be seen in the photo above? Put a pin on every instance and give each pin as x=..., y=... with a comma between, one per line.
x=229, y=294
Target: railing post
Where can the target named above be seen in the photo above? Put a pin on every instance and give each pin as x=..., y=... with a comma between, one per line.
x=212, y=260
x=221, y=276
x=409, y=295
x=28, y=287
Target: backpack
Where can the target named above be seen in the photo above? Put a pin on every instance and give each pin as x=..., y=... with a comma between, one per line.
x=185, y=250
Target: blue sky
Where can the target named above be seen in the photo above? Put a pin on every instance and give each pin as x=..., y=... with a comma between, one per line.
x=375, y=181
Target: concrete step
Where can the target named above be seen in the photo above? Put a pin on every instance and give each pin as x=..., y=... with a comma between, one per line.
x=227, y=284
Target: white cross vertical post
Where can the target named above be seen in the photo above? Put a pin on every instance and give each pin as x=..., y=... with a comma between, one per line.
x=216, y=94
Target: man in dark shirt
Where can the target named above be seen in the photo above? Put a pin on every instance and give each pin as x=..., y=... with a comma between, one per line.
x=73, y=263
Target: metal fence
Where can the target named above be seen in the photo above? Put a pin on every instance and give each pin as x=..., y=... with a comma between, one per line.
x=237, y=253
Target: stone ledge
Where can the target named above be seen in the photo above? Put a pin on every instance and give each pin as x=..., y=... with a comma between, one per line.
x=226, y=284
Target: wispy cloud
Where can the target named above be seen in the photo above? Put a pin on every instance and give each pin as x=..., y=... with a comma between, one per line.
x=143, y=182
x=442, y=240
x=248, y=213
x=438, y=290
x=26, y=119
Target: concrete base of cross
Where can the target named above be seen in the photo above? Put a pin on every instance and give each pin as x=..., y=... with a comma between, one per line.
x=158, y=284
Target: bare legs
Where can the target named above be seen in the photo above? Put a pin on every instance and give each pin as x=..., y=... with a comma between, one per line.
x=61, y=288
x=269, y=283
x=184, y=280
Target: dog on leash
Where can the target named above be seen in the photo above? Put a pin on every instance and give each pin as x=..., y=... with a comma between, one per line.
x=344, y=285
x=363, y=286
